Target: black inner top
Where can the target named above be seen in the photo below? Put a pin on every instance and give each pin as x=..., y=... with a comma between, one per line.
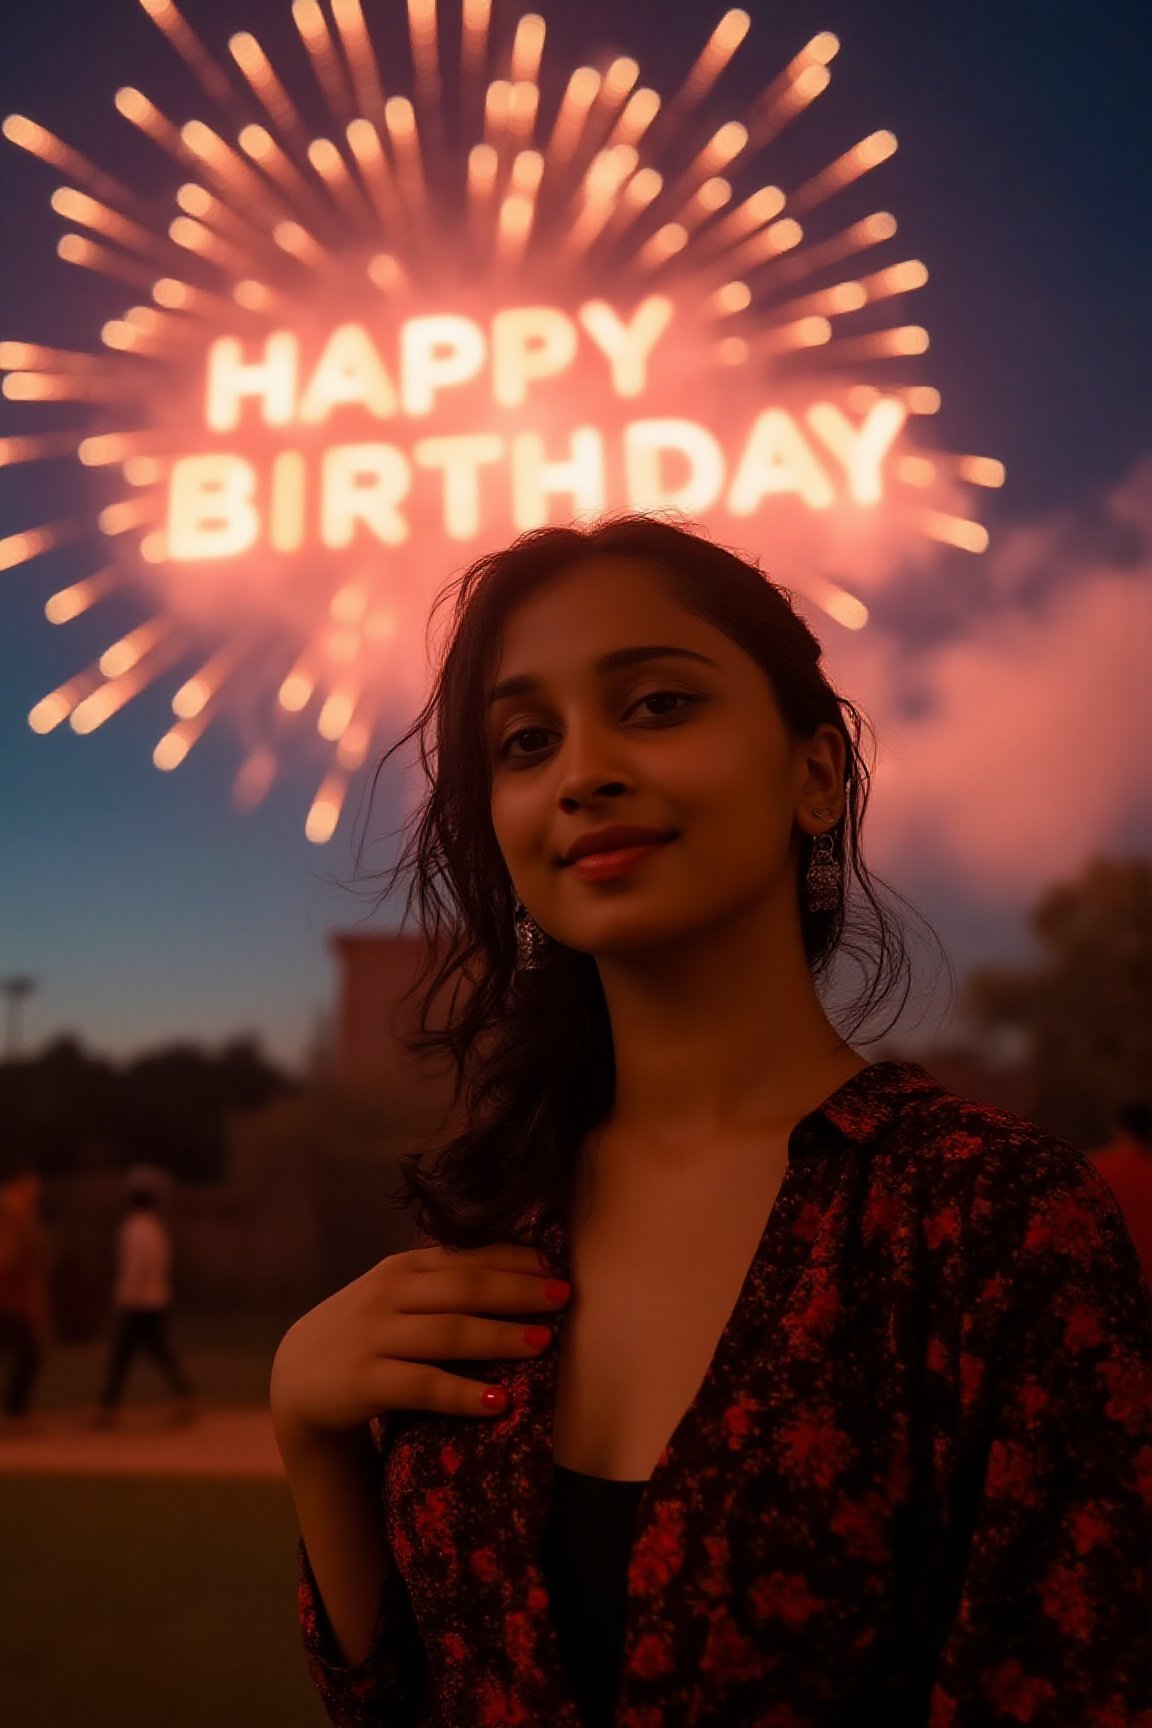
x=587, y=1546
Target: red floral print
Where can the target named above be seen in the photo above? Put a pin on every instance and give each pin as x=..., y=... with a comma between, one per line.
x=914, y=1489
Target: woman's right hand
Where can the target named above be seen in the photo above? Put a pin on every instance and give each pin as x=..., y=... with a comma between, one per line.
x=372, y=1346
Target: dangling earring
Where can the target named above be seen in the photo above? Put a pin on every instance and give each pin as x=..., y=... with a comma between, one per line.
x=825, y=874
x=530, y=940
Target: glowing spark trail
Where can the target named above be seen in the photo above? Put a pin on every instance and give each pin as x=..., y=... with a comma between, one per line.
x=485, y=296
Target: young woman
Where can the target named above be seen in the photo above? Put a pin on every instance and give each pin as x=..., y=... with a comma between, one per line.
x=844, y=1415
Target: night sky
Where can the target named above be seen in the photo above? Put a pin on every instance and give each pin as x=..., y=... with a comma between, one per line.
x=1012, y=688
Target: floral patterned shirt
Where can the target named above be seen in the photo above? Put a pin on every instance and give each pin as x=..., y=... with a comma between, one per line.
x=913, y=1490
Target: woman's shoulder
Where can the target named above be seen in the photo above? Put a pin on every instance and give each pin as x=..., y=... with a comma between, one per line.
x=958, y=1131
x=1013, y=1186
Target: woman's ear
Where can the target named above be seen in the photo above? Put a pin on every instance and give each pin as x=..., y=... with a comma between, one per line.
x=822, y=760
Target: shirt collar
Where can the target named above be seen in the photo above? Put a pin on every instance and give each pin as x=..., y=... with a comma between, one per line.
x=864, y=1107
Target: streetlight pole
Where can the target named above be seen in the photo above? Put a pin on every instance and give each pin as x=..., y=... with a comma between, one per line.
x=17, y=990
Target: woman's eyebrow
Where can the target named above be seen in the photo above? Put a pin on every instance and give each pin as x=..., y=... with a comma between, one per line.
x=523, y=683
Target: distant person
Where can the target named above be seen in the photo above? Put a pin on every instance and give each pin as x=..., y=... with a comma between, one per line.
x=24, y=1322
x=142, y=1300
x=1126, y=1165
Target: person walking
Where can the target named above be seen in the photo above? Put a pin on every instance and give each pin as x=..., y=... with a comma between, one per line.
x=24, y=1314
x=142, y=1300
x=1126, y=1165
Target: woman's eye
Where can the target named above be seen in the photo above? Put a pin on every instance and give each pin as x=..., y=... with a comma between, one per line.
x=653, y=696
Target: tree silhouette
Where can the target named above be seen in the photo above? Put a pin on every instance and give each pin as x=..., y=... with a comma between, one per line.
x=69, y=1110
x=1085, y=1013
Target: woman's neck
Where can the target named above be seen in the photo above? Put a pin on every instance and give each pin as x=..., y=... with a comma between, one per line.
x=723, y=1035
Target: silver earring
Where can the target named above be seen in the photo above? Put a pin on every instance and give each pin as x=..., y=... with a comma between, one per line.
x=530, y=940
x=825, y=873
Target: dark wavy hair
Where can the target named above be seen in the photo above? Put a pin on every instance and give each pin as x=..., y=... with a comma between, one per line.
x=532, y=1050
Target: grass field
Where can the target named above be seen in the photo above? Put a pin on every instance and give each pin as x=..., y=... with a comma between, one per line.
x=153, y=1602
x=150, y=1603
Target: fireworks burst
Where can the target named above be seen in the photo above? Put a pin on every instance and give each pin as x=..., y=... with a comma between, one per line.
x=438, y=324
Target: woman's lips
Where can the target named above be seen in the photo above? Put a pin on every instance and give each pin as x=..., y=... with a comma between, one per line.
x=597, y=866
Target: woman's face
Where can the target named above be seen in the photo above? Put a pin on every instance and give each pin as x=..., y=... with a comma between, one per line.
x=696, y=746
